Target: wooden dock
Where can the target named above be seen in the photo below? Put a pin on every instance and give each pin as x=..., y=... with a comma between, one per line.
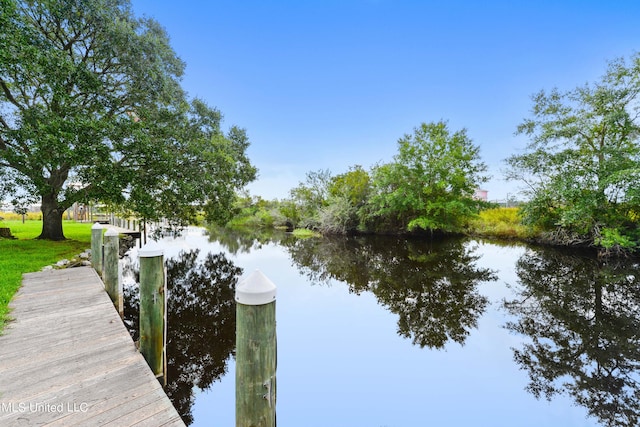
x=67, y=359
x=133, y=233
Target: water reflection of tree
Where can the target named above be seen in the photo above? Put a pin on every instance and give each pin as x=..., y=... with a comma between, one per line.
x=201, y=319
x=582, y=316
x=245, y=240
x=431, y=286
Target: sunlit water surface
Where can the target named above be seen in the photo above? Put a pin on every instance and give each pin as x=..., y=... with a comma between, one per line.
x=387, y=332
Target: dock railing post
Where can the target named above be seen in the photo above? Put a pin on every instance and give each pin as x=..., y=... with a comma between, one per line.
x=111, y=276
x=96, y=247
x=152, y=306
x=256, y=351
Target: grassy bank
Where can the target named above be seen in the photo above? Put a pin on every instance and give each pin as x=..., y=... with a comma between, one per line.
x=26, y=255
x=303, y=233
x=502, y=223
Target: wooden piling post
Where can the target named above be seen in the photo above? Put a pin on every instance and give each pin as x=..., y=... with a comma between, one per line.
x=96, y=247
x=152, y=306
x=256, y=352
x=112, y=276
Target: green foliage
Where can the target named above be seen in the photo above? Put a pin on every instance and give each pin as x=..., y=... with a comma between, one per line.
x=308, y=198
x=303, y=233
x=505, y=223
x=339, y=217
x=610, y=238
x=354, y=185
x=91, y=109
x=431, y=182
x=348, y=196
x=582, y=164
x=509, y=216
x=429, y=185
x=289, y=209
x=199, y=169
x=256, y=213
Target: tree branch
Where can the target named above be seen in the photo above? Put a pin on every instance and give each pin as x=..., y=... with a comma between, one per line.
x=4, y=123
x=9, y=95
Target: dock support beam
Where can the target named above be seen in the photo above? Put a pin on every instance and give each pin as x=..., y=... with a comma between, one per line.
x=256, y=352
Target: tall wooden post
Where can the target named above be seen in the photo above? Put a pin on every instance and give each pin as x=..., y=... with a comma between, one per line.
x=111, y=276
x=256, y=352
x=96, y=247
x=152, y=305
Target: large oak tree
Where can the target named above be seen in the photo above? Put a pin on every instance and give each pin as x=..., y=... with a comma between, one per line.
x=91, y=108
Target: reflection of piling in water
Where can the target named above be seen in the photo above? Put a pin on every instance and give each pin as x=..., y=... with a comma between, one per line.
x=111, y=269
x=256, y=352
x=152, y=306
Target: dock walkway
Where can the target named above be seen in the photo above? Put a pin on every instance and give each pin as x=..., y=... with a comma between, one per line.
x=129, y=232
x=67, y=359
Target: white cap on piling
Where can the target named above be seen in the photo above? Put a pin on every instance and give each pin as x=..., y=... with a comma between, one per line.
x=256, y=289
x=96, y=225
x=151, y=249
x=111, y=232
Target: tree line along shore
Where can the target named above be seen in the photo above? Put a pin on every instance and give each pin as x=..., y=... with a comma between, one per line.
x=92, y=110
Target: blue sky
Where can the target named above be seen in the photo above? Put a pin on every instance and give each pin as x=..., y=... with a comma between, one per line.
x=328, y=84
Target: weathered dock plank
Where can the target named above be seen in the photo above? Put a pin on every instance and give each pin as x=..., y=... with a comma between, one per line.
x=66, y=359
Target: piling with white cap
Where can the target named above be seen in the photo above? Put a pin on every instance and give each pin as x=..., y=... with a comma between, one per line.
x=152, y=306
x=256, y=351
x=256, y=289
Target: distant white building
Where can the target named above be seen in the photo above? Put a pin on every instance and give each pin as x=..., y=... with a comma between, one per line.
x=481, y=194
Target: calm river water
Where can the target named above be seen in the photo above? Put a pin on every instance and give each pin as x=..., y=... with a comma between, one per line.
x=382, y=331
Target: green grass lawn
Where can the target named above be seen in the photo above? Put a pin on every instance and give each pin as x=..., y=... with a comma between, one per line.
x=26, y=255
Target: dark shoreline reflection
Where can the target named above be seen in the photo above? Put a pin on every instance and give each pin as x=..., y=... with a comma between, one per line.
x=201, y=318
x=244, y=241
x=581, y=316
x=432, y=285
